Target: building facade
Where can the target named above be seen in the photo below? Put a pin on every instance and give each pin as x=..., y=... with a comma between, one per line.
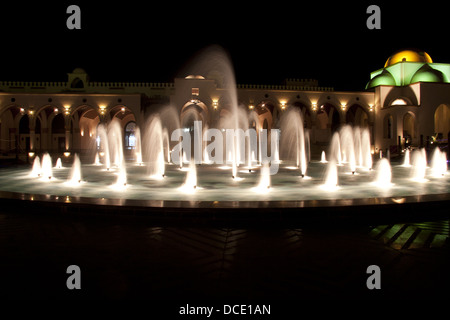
x=407, y=102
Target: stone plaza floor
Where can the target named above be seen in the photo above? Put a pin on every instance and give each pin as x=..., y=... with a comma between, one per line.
x=131, y=257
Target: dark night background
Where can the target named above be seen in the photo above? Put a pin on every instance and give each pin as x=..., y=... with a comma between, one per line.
x=152, y=41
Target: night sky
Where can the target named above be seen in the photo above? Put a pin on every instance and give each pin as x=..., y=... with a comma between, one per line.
x=267, y=42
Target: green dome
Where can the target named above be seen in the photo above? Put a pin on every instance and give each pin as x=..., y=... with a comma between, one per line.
x=385, y=78
x=428, y=74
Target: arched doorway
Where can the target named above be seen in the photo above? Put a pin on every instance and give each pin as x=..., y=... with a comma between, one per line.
x=8, y=128
x=357, y=116
x=130, y=135
x=306, y=115
x=328, y=121
x=24, y=134
x=265, y=111
x=442, y=122
x=58, y=136
x=88, y=120
x=409, y=128
x=388, y=127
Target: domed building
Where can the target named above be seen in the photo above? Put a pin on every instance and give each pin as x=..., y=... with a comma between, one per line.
x=412, y=95
x=406, y=103
x=409, y=66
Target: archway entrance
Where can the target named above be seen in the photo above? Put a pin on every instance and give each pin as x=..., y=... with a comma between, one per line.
x=408, y=129
x=442, y=122
x=328, y=121
x=24, y=133
x=357, y=116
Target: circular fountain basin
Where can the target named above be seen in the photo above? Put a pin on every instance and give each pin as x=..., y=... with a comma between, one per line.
x=216, y=190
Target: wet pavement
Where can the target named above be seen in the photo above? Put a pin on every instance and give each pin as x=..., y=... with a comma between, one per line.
x=131, y=257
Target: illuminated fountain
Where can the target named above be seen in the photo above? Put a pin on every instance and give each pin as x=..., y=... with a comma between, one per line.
x=58, y=164
x=293, y=143
x=348, y=147
x=104, y=143
x=75, y=174
x=264, y=181
x=323, y=158
x=138, y=148
x=407, y=159
x=190, y=183
x=36, y=170
x=383, y=174
x=46, y=167
x=439, y=163
x=419, y=165
x=264, y=166
x=331, y=177
x=154, y=148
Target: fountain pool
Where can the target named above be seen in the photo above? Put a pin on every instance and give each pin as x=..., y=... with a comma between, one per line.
x=345, y=175
x=214, y=183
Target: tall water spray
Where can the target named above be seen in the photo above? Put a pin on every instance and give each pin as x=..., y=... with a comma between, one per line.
x=292, y=142
x=323, y=158
x=419, y=165
x=75, y=172
x=154, y=147
x=115, y=140
x=331, y=176
x=58, y=164
x=138, y=146
x=383, y=174
x=439, y=163
x=335, y=149
x=348, y=147
x=264, y=180
x=366, y=148
x=104, y=145
x=214, y=63
x=36, y=170
x=190, y=183
x=407, y=160
x=46, y=169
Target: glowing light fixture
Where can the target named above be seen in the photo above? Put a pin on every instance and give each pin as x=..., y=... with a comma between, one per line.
x=67, y=109
x=399, y=102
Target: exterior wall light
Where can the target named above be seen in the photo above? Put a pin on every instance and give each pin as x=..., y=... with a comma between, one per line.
x=66, y=110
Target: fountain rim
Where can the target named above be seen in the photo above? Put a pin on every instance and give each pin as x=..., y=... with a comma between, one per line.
x=225, y=204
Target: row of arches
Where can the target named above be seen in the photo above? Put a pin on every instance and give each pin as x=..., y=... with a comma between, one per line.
x=54, y=129
x=323, y=121
x=409, y=132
